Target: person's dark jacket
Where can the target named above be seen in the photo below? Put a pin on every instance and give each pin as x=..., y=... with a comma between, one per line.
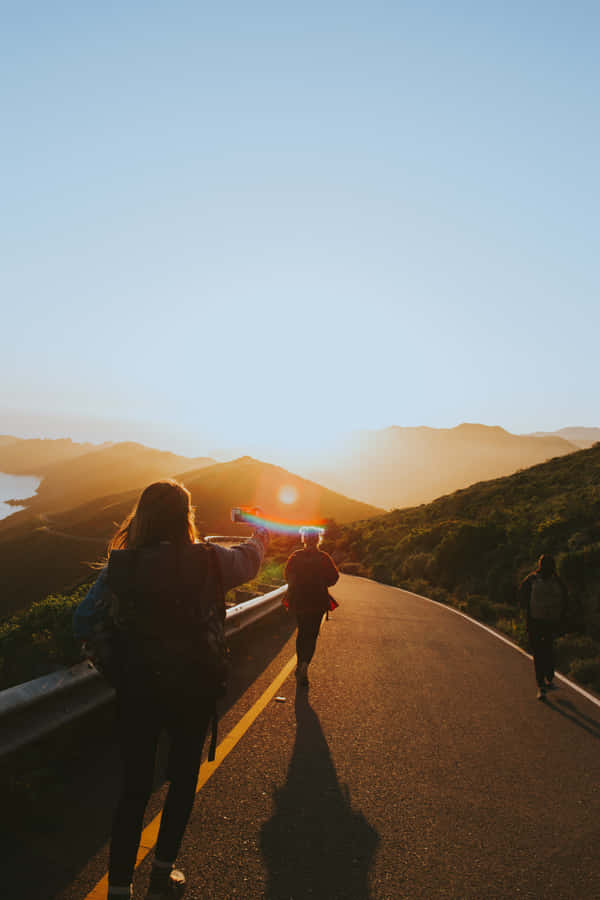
x=309, y=572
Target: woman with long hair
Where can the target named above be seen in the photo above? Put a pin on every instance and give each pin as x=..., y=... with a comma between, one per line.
x=165, y=593
x=309, y=573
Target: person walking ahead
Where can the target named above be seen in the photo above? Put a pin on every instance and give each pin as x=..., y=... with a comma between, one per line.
x=309, y=572
x=544, y=600
x=166, y=595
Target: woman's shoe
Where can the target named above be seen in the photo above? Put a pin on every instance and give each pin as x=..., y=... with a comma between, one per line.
x=165, y=884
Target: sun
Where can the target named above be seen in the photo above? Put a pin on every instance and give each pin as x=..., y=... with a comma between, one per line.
x=287, y=494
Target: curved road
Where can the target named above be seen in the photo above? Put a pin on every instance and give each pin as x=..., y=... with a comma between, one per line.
x=418, y=765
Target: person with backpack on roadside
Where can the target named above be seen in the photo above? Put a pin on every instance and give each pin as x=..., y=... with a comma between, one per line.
x=309, y=572
x=159, y=604
x=543, y=598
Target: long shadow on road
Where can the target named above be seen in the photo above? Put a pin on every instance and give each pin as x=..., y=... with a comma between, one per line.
x=316, y=845
x=570, y=711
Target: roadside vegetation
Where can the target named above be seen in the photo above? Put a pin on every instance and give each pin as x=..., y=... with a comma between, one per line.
x=472, y=548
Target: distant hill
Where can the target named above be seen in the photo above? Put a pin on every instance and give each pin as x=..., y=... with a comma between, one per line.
x=112, y=469
x=398, y=467
x=72, y=478
x=580, y=436
x=41, y=553
x=32, y=456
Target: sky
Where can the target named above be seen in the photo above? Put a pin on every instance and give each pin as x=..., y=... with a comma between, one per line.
x=251, y=227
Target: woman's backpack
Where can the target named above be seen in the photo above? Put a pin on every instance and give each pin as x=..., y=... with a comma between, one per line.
x=169, y=613
x=546, y=600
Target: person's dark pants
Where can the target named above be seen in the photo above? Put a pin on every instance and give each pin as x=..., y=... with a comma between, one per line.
x=309, y=624
x=141, y=718
x=541, y=641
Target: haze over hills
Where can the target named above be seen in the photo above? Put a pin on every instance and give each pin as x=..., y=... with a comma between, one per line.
x=398, y=467
x=45, y=551
x=580, y=436
x=32, y=456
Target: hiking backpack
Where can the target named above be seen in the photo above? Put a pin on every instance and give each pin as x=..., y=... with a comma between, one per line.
x=545, y=604
x=169, y=613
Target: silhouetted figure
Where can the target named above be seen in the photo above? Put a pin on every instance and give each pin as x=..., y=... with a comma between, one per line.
x=309, y=572
x=543, y=597
x=164, y=593
x=315, y=845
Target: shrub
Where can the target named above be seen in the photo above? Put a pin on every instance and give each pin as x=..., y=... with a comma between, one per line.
x=417, y=565
x=586, y=671
x=480, y=608
x=571, y=647
x=506, y=611
x=438, y=594
x=417, y=586
x=382, y=572
x=352, y=568
x=39, y=640
x=515, y=629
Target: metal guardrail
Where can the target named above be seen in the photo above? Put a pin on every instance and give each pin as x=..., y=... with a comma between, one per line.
x=35, y=709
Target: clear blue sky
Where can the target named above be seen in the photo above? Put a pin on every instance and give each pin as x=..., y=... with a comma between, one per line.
x=256, y=223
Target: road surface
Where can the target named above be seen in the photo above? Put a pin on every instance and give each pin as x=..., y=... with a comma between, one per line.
x=417, y=765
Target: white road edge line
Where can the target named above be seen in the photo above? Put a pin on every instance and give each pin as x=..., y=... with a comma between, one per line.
x=496, y=634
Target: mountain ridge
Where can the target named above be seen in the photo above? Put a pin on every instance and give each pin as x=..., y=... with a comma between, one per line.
x=398, y=466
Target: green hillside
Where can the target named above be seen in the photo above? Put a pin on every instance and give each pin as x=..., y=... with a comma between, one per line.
x=473, y=547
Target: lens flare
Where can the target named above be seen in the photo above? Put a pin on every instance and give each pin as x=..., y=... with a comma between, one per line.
x=287, y=494
x=289, y=528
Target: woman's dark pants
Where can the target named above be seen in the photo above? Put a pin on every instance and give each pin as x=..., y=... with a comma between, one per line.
x=541, y=641
x=308, y=632
x=141, y=718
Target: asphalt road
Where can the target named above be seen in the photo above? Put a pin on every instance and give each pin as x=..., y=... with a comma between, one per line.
x=417, y=765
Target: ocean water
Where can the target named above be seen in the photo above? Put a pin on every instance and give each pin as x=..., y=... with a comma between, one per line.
x=15, y=487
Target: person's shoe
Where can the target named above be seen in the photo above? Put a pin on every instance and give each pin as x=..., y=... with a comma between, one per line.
x=541, y=694
x=165, y=884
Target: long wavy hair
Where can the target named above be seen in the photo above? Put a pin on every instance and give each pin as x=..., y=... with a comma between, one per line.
x=163, y=512
x=546, y=566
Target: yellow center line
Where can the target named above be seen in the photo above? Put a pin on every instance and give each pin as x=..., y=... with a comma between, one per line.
x=150, y=832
